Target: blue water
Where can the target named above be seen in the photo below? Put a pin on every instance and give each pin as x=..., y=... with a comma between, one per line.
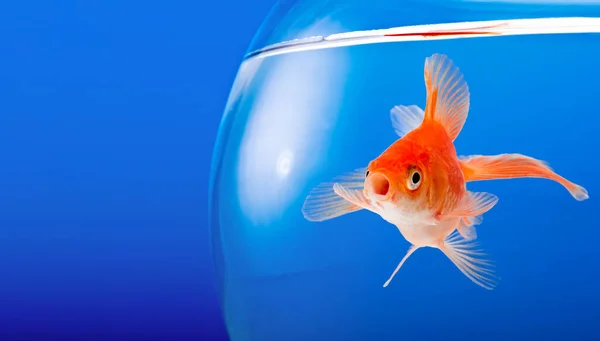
x=304, y=118
x=108, y=115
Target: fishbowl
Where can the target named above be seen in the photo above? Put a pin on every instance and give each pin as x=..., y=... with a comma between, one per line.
x=412, y=170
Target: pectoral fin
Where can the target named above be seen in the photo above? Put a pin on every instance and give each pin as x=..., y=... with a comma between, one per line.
x=324, y=203
x=354, y=196
x=473, y=204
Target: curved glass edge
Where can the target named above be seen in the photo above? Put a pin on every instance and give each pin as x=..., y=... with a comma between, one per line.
x=243, y=76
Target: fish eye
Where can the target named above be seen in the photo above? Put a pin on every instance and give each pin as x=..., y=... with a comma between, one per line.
x=367, y=174
x=414, y=179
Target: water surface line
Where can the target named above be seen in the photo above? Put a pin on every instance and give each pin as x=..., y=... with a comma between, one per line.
x=457, y=30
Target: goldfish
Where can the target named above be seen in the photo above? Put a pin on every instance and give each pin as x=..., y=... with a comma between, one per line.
x=419, y=182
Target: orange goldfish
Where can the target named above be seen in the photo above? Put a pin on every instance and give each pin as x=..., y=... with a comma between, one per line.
x=419, y=182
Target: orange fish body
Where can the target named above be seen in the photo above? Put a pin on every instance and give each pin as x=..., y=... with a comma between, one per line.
x=428, y=154
x=418, y=183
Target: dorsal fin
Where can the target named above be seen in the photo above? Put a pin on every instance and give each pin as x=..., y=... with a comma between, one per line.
x=447, y=94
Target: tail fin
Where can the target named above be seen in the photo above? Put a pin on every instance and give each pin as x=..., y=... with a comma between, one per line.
x=511, y=166
x=447, y=94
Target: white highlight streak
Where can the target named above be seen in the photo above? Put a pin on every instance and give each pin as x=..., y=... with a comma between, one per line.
x=494, y=27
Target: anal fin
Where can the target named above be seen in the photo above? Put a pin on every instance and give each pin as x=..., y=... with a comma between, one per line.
x=471, y=262
x=466, y=229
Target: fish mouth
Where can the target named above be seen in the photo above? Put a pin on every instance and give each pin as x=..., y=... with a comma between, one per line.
x=378, y=186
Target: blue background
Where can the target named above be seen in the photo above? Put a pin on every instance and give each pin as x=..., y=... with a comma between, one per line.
x=109, y=114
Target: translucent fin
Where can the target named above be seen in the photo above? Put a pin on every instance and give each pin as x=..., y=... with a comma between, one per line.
x=473, y=204
x=410, y=252
x=467, y=230
x=406, y=118
x=511, y=166
x=324, y=203
x=469, y=261
x=466, y=227
x=354, y=196
x=472, y=221
x=447, y=94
